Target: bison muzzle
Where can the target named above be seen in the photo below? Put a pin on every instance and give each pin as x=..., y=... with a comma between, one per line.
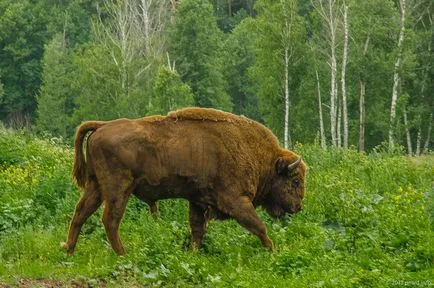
x=223, y=164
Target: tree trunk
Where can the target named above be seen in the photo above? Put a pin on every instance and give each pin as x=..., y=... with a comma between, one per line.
x=422, y=93
x=407, y=133
x=339, y=122
x=344, y=65
x=321, y=121
x=362, y=111
x=173, y=4
x=362, y=117
x=396, y=77
x=333, y=92
x=286, y=127
x=428, y=135
x=230, y=8
x=328, y=15
x=333, y=99
x=418, y=141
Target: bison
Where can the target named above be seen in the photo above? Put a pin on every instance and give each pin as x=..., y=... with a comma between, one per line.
x=224, y=165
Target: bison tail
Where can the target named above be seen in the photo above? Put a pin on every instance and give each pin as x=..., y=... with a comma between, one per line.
x=79, y=172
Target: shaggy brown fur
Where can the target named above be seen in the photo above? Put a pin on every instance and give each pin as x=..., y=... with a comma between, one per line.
x=223, y=164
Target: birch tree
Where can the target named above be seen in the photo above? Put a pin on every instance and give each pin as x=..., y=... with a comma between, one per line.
x=396, y=77
x=288, y=53
x=369, y=65
x=279, y=34
x=321, y=121
x=425, y=112
x=117, y=69
x=362, y=113
x=344, y=65
x=328, y=12
x=133, y=33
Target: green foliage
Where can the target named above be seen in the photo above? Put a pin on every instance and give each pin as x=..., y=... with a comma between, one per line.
x=196, y=46
x=56, y=97
x=22, y=37
x=170, y=93
x=367, y=222
x=277, y=28
x=102, y=94
x=230, y=13
x=229, y=52
x=34, y=179
x=25, y=28
x=240, y=51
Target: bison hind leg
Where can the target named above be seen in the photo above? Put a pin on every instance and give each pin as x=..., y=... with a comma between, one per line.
x=86, y=206
x=117, y=191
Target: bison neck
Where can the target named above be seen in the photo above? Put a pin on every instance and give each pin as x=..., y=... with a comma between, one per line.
x=264, y=189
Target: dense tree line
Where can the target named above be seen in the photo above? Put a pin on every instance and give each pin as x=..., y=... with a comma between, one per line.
x=336, y=72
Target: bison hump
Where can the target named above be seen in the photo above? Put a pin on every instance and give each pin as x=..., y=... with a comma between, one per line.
x=205, y=114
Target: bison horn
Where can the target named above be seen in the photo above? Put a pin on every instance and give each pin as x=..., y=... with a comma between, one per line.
x=294, y=165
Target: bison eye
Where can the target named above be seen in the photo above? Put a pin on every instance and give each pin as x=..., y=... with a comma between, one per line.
x=295, y=184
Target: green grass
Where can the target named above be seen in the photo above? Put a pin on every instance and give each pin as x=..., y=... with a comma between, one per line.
x=367, y=222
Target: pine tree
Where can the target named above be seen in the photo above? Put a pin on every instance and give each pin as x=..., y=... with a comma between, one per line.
x=195, y=45
x=55, y=98
x=170, y=93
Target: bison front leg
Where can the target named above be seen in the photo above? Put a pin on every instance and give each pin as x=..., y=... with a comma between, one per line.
x=245, y=214
x=153, y=207
x=197, y=225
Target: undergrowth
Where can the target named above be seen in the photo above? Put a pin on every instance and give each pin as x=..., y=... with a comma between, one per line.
x=367, y=222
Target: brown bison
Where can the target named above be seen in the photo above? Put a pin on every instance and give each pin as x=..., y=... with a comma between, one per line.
x=224, y=165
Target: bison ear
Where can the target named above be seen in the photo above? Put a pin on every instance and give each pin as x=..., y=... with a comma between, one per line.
x=282, y=166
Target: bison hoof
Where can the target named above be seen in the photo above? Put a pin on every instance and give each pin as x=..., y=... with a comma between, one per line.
x=268, y=244
x=63, y=245
x=66, y=247
x=194, y=246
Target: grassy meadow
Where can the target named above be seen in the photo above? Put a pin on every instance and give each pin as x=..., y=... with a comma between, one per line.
x=367, y=222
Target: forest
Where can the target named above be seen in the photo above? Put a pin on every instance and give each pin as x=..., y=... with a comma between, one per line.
x=339, y=73
x=347, y=84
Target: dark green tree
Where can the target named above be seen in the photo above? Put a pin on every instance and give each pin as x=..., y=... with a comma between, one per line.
x=25, y=27
x=196, y=46
x=22, y=36
x=240, y=55
x=56, y=96
x=280, y=47
x=230, y=13
x=170, y=93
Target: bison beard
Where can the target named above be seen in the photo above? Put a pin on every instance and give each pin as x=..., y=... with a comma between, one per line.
x=224, y=165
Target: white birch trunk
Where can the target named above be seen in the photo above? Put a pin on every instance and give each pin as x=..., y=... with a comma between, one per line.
x=362, y=103
x=339, y=122
x=407, y=134
x=286, y=125
x=328, y=15
x=333, y=92
x=418, y=141
x=428, y=134
x=286, y=44
x=396, y=77
x=362, y=117
x=321, y=121
x=344, y=65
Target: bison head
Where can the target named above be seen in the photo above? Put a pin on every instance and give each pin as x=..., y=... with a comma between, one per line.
x=287, y=186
